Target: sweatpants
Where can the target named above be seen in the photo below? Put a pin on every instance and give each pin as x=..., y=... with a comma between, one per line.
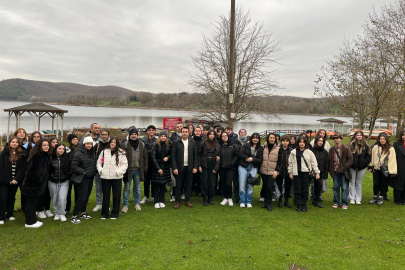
x=208, y=184
x=30, y=209
x=83, y=194
x=379, y=183
x=58, y=192
x=185, y=177
x=301, y=188
x=107, y=185
x=159, y=192
x=226, y=175
x=355, y=186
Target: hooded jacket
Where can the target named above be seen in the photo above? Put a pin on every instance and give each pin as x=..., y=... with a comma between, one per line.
x=6, y=166
x=84, y=165
x=37, y=175
x=229, y=155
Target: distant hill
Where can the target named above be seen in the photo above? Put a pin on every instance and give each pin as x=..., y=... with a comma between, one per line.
x=26, y=90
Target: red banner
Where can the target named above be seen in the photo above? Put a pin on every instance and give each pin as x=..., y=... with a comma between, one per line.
x=189, y=122
x=170, y=123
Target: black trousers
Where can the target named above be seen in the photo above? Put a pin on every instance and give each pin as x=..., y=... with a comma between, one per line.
x=7, y=200
x=148, y=181
x=185, y=177
x=83, y=194
x=44, y=201
x=197, y=182
x=69, y=197
x=399, y=196
x=226, y=176
x=318, y=189
x=106, y=186
x=236, y=186
x=30, y=209
x=159, y=191
x=287, y=186
x=267, y=188
x=380, y=183
x=23, y=200
x=208, y=180
x=301, y=187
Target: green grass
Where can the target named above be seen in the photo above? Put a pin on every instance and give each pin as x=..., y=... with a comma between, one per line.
x=215, y=237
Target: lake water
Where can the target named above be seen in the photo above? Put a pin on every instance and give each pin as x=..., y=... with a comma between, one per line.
x=79, y=116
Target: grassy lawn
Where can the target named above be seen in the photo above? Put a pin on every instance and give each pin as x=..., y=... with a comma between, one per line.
x=215, y=237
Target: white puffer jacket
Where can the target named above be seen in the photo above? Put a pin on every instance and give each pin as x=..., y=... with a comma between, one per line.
x=110, y=170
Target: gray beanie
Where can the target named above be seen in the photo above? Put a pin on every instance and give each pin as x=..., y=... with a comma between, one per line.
x=162, y=133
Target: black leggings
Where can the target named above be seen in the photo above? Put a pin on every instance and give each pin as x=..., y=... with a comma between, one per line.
x=83, y=194
x=379, y=183
x=159, y=191
x=226, y=176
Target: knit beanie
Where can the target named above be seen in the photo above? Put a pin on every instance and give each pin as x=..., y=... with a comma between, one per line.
x=133, y=130
x=71, y=137
x=162, y=133
x=88, y=140
x=152, y=127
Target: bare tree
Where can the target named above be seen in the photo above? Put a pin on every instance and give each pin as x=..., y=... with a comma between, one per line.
x=254, y=49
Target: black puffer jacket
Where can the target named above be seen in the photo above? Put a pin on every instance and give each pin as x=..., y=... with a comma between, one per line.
x=245, y=152
x=158, y=163
x=322, y=157
x=60, y=168
x=203, y=154
x=229, y=155
x=37, y=175
x=83, y=165
x=6, y=166
x=360, y=161
x=149, y=143
x=98, y=148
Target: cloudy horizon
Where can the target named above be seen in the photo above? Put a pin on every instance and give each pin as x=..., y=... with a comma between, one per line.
x=146, y=45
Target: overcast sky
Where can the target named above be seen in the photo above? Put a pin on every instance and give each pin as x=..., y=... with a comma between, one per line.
x=146, y=45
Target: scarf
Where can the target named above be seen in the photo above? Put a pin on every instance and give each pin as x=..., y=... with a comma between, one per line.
x=134, y=143
x=243, y=139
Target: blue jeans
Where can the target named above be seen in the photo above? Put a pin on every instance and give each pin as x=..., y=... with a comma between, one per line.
x=136, y=189
x=339, y=183
x=245, y=189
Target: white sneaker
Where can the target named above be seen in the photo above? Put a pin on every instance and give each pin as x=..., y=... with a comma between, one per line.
x=144, y=200
x=261, y=200
x=249, y=205
x=157, y=205
x=97, y=208
x=36, y=225
x=242, y=205
x=183, y=197
x=124, y=209
x=358, y=202
x=103, y=218
x=48, y=213
x=352, y=202
x=162, y=205
x=224, y=202
x=40, y=215
x=11, y=218
x=230, y=202
x=173, y=199
x=1, y=222
x=138, y=207
x=57, y=217
x=63, y=218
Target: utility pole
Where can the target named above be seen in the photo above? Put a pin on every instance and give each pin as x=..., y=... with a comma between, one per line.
x=231, y=75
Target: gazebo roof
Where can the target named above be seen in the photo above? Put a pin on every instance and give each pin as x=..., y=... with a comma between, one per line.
x=36, y=107
x=391, y=120
x=331, y=120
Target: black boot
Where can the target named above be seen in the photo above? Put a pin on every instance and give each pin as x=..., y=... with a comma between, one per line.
x=269, y=207
x=280, y=202
x=210, y=201
x=299, y=208
x=304, y=208
x=318, y=204
x=264, y=205
x=286, y=203
x=205, y=201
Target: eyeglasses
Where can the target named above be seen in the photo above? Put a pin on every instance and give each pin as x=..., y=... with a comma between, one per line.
x=37, y=136
x=104, y=134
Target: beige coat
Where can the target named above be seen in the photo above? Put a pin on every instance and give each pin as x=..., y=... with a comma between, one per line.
x=269, y=163
x=377, y=159
x=309, y=157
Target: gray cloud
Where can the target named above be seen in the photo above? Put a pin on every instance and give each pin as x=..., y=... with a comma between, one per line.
x=146, y=45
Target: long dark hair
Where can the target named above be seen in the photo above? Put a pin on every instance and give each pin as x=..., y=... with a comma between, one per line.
x=399, y=139
x=317, y=138
x=88, y=153
x=38, y=148
x=117, y=147
x=255, y=135
x=211, y=143
x=387, y=145
x=31, y=140
x=301, y=138
x=14, y=156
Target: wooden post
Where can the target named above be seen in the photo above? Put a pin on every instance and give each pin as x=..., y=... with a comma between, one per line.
x=231, y=75
x=53, y=123
x=57, y=126
x=8, y=126
x=61, y=139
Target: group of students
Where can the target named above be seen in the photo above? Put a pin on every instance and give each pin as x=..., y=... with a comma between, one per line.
x=212, y=161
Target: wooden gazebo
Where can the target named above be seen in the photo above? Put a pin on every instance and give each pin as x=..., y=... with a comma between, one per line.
x=331, y=121
x=37, y=110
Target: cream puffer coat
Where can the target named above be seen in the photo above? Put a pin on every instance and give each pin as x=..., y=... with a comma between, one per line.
x=269, y=163
x=110, y=170
x=309, y=157
x=377, y=159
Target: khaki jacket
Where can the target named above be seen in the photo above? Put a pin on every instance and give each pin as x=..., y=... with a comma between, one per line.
x=377, y=159
x=269, y=163
x=309, y=157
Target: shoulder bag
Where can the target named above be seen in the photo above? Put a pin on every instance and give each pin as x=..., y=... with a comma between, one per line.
x=384, y=167
x=254, y=180
x=348, y=174
x=312, y=174
x=76, y=179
